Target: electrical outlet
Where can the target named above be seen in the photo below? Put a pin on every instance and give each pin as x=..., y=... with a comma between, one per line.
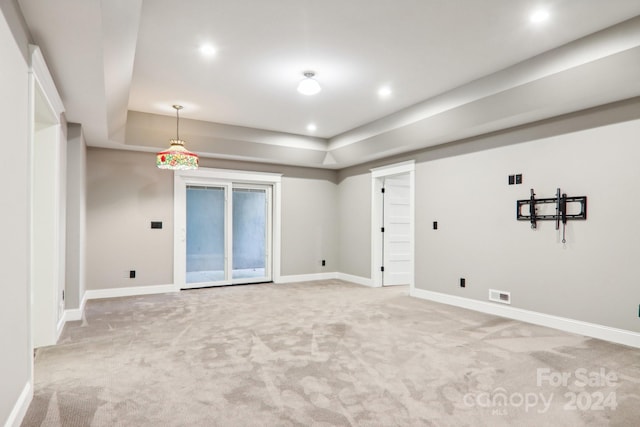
x=324, y=263
x=435, y=225
x=463, y=282
x=519, y=178
x=132, y=274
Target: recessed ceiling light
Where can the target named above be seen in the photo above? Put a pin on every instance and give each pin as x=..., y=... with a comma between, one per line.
x=539, y=16
x=384, y=92
x=311, y=127
x=207, y=50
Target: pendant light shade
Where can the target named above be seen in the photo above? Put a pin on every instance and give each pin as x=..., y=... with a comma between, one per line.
x=309, y=86
x=177, y=157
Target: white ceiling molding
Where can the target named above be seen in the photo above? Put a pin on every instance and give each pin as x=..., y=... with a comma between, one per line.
x=591, y=48
x=227, y=141
x=601, y=82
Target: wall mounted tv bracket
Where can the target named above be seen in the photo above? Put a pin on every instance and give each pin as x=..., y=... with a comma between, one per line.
x=562, y=213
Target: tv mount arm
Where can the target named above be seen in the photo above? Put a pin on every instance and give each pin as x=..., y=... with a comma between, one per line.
x=561, y=200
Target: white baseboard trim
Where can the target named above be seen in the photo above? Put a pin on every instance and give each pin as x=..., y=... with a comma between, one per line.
x=128, y=292
x=305, y=277
x=364, y=281
x=20, y=408
x=60, y=325
x=579, y=327
x=73, y=314
x=325, y=276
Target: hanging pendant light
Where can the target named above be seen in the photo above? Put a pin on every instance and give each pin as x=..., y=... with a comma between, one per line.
x=177, y=157
x=309, y=86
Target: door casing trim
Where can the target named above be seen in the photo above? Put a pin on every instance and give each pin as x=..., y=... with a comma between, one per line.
x=377, y=176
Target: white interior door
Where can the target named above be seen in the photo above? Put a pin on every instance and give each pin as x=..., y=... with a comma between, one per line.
x=397, y=231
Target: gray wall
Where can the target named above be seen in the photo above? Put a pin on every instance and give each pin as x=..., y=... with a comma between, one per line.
x=463, y=186
x=125, y=192
x=309, y=225
x=76, y=217
x=592, y=278
x=15, y=357
x=354, y=222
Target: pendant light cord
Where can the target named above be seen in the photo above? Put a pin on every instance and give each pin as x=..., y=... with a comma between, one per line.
x=177, y=108
x=178, y=124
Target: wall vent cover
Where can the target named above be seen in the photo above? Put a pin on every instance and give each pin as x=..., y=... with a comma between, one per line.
x=500, y=296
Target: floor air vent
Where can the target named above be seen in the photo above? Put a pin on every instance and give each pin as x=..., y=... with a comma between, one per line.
x=500, y=296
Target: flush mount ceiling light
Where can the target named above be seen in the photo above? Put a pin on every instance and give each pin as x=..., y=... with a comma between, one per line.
x=177, y=157
x=309, y=86
x=311, y=127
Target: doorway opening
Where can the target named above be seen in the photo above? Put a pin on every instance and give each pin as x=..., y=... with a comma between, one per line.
x=392, y=225
x=48, y=215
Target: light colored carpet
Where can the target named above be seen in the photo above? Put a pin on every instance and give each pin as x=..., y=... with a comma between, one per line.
x=324, y=353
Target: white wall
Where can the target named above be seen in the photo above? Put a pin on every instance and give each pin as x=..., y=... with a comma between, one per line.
x=15, y=357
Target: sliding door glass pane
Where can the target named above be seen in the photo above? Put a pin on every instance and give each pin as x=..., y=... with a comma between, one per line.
x=249, y=233
x=205, y=234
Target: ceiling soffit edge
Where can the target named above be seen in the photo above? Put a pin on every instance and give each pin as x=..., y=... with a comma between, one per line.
x=608, y=42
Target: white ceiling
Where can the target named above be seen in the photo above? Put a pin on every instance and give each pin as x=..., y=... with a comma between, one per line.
x=120, y=64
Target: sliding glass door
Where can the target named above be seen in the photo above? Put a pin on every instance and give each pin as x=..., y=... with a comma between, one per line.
x=227, y=236
x=206, y=234
x=250, y=233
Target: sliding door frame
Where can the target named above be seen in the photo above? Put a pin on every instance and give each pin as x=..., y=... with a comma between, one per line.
x=221, y=177
x=227, y=214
